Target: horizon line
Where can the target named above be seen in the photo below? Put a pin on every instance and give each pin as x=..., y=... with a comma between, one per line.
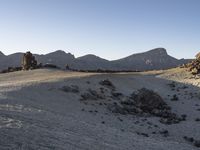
x=67, y=52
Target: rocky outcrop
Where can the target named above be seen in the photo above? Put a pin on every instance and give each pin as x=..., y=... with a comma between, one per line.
x=194, y=66
x=29, y=61
x=198, y=56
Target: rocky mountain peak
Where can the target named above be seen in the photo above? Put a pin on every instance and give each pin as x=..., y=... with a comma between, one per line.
x=158, y=51
x=91, y=57
x=61, y=53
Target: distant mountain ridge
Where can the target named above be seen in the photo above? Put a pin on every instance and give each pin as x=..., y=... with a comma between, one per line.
x=151, y=60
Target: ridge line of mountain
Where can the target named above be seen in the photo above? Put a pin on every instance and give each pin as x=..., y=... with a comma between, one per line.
x=154, y=59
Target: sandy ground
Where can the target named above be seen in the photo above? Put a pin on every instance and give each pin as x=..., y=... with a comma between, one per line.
x=36, y=114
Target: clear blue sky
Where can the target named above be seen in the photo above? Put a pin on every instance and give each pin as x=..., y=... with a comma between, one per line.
x=108, y=28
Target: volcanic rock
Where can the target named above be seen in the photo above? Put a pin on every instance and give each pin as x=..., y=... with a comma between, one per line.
x=194, y=66
x=72, y=89
x=146, y=102
x=107, y=83
x=29, y=61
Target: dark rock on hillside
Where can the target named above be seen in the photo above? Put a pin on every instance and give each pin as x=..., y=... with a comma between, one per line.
x=107, y=83
x=91, y=95
x=193, y=141
x=197, y=143
x=11, y=69
x=72, y=89
x=48, y=65
x=146, y=102
x=149, y=101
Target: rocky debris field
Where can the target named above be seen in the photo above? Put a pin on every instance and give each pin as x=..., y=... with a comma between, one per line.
x=144, y=104
x=147, y=102
x=50, y=109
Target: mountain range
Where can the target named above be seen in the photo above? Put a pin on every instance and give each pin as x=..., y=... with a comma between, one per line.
x=154, y=59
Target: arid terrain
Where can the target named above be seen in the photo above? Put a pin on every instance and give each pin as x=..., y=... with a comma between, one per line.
x=48, y=109
x=154, y=59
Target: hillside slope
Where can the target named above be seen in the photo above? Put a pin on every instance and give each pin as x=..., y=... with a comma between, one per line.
x=39, y=111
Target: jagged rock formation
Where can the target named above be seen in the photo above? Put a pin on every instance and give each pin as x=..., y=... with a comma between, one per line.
x=29, y=61
x=194, y=66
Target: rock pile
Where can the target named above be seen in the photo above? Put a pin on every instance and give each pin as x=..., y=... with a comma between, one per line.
x=149, y=101
x=191, y=140
x=91, y=95
x=49, y=65
x=71, y=89
x=194, y=66
x=11, y=69
x=146, y=102
x=107, y=83
x=29, y=61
